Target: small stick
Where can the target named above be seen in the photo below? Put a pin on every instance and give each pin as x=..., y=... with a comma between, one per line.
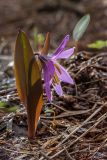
x=102, y=145
x=44, y=155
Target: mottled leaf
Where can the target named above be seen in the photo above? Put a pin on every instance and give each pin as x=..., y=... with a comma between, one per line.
x=28, y=81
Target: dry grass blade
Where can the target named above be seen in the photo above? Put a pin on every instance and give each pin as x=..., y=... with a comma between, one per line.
x=84, y=123
x=67, y=114
x=72, y=143
x=88, y=119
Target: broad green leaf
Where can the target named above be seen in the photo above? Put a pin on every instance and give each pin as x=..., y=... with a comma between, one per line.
x=9, y=109
x=5, y=107
x=28, y=81
x=3, y=104
x=98, y=44
x=81, y=27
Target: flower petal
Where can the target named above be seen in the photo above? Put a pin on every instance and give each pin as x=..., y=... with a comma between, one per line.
x=64, y=75
x=61, y=46
x=51, y=68
x=65, y=54
x=48, y=70
x=58, y=89
x=46, y=81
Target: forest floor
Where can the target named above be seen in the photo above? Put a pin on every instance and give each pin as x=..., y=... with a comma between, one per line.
x=73, y=126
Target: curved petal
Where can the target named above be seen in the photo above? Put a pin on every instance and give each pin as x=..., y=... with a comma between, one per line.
x=61, y=46
x=48, y=70
x=63, y=74
x=58, y=89
x=65, y=54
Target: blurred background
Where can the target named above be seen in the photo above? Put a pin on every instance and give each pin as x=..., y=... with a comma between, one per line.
x=57, y=16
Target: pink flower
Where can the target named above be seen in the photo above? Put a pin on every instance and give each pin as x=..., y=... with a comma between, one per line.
x=54, y=73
